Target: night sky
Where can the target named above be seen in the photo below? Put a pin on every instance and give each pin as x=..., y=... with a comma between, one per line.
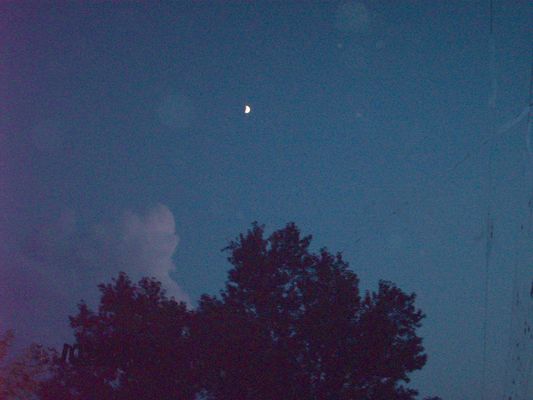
x=124, y=146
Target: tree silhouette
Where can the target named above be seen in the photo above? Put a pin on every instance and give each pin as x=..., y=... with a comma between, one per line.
x=20, y=377
x=134, y=347
x=5, y=341
x=291, y=324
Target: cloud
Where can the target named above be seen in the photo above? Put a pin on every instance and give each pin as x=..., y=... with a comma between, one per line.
x=146, y=245
x=43, y=279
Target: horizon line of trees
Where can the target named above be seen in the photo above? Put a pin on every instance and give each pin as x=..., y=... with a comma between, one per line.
x=289, y=324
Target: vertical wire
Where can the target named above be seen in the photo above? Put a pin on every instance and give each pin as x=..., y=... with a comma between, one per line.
x=489, y=219
x=530, y=105
x=520, y=362
x=528, y=323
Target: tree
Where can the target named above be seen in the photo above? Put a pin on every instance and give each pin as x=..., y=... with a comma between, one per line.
x=134, y=347
x=291, y=324
x=20, y=378
x=5, y=341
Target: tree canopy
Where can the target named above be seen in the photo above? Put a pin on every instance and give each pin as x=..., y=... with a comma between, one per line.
x=292, y=324
x=289, y=324
x=134, y=347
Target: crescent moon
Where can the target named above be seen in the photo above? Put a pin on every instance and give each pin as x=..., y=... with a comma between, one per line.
x=247, y=109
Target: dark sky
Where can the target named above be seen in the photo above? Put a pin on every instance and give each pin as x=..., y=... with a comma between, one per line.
x=124, y=146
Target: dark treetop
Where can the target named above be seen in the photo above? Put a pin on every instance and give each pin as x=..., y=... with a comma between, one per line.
x=289, y=324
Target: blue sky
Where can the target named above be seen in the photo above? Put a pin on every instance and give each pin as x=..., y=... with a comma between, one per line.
x=124, y=146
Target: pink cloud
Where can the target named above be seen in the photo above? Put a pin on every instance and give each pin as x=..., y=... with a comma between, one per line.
x=42, y=281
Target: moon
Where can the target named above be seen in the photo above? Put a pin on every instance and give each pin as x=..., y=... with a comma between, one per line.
x=247, y=109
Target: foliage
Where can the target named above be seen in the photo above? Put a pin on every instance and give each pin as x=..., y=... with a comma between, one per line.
x=291, y=324
x=21, y=377
x=134, y=347
x=5, y=342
